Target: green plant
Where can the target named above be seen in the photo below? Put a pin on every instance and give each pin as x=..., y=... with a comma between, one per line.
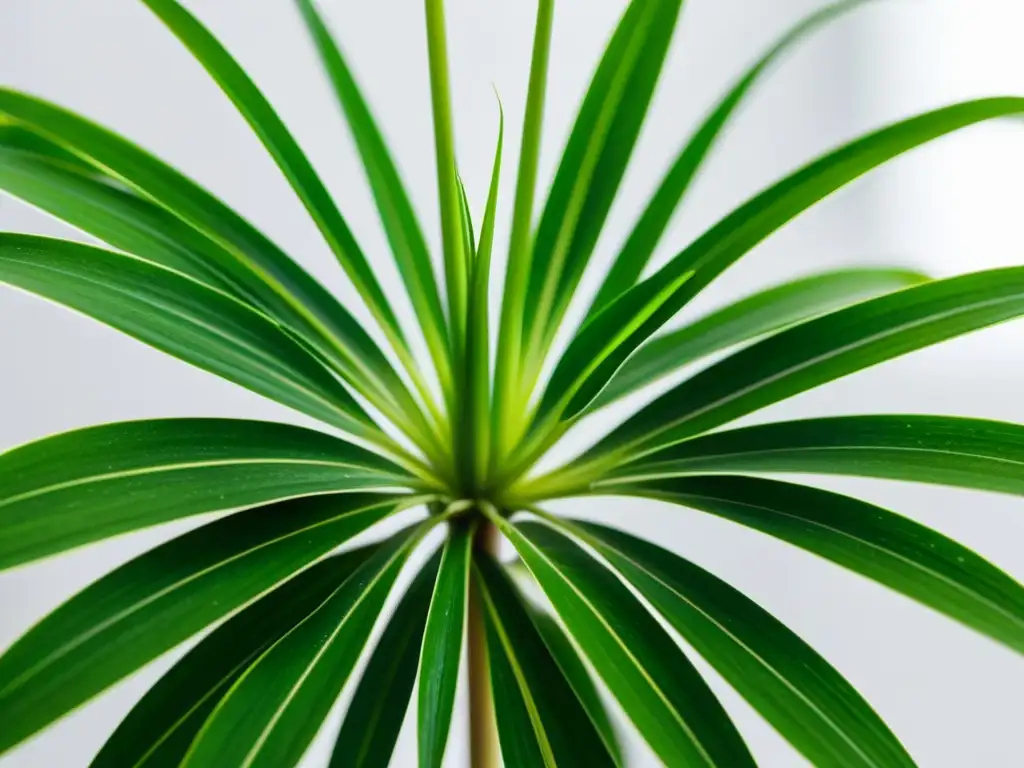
x=192, y=278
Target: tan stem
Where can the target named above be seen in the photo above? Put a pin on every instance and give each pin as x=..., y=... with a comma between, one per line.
x=483, y=735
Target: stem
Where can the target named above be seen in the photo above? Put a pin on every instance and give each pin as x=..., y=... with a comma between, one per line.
x=483, y=734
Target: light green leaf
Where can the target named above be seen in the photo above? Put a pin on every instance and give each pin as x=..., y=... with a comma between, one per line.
x=657, y=686
x=161, y=598
x=943, y=450
x=593, y=164
x=869, y=540
x=396, y=212
x=159, y=729
x=184, y=318
x=274, y=710
x=442, y=646
x=645, y=307
x=762, y=313
x=374, y=716
x=783, y=678
x=639, y=247
x=556, y=722
x=819, y=351
x=82, y=486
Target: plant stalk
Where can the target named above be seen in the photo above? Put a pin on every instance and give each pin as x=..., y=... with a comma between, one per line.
x=483, y=734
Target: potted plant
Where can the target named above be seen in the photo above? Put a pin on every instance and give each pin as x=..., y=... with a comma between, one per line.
x=450, y=443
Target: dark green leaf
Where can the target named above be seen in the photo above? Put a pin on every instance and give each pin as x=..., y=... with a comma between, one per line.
x=598, y=350
x=557, y=722
x=374, y=717
x=184, y=318
x=274, y=710
x=160, y=728
x=442, y=647
x=943, y=450
x=149, y=605
x=793, y=688
x=657, y=686
x=762, y=313
x=872, y=541
x=639, y=247
x=820, y=351
x=82, y=486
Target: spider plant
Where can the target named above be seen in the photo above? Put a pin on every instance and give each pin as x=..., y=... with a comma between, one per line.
x=445, y=445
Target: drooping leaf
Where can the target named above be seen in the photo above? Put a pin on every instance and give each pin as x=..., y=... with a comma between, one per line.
x=794, y=688
x=639, y=247
x=159, y=730
x=943, y=450
x=762, y=313
x=82, y=486
x=375, y=714
x=594, y=162
x=895, y=551
x=15, y=136
x=184, y=318
x=556, y=721
x=161, y=598
x=285, y=291
x=657, y=686
x=396, y=212
x=819, y=351
x=276, y=707
x=442, y=646
x=589, y=362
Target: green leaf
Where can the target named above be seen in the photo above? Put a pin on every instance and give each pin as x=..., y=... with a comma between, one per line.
x=556, y=722
x=639, y=247
x=14, y=136
x=762, y=313
x=657, y=686
x=184, y=318
x=274, y=710
x=587, y=364
x=160, y=728
x=593, y=164
x=285, y=292
x=375, y=714
x=82, y=486
x=783, y=678
x=396, y=212
x=578, y=677
x=442, y=647
x=943, y=450
x=272, y=132
x=869, y=540
x=455, y=258
x=161, y=598
x=506, y=411
x=819, y=351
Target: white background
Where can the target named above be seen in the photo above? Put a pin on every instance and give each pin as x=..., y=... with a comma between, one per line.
x=956, y=699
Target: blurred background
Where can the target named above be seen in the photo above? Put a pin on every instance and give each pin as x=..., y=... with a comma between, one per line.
x=955, y=699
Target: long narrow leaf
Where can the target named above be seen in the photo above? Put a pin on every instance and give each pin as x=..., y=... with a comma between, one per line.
x=762, y=313
x=442, y=647
x=375, y=714
x=869, y=540
x=159, y=729
x=90, y=484
x=821, y=350
x=794, y=688
x=148, y=606
x=655, y=683
x=588, y=364
x=396, y=212
x=639, y=247
x=275, y=708
x=184, y=318
x=942, y=450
